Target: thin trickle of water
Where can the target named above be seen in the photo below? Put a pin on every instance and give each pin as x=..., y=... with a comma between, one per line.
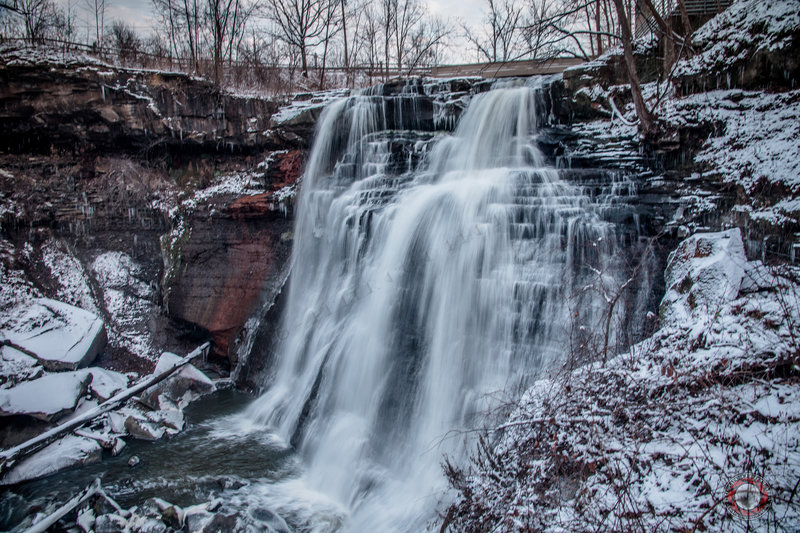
x=416, y=294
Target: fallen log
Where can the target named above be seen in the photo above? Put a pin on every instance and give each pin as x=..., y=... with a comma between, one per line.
x=9, y=457
x=42, y=525
x=95, y=489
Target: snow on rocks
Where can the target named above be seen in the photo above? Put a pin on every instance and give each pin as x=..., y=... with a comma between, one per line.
x=60, y=394
x=60, y=336
x=704, y=272
x=106, y=383
x=46, y=398
x=71, y=276
x=129, y=300
x=305, y=108
x=759, y=140
x=185, y=386
x=16, y=366
x=70, y=451
x=729, y=38
x=653, y=439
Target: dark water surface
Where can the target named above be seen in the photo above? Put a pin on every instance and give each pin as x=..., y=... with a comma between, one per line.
x=192, y=467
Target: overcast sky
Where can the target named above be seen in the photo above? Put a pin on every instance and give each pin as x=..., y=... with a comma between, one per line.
x=139, y=14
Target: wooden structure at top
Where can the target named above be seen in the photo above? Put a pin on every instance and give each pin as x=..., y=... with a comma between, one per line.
x=528, y=67
x=699, y=12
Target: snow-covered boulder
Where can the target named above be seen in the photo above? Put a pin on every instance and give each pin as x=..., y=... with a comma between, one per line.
x=59, y=335
x=703, y=272
x=180, y=389
x=65, y=453
x=46, y=398
x=106, y=383
x=143, y=429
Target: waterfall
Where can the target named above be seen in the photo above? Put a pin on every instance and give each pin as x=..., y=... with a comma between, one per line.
x=429, y=273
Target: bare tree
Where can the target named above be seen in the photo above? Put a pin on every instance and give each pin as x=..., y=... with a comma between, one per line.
x=408, y=15
x=98, y=8
x=344, y=32
x=332, y=27
x=182, y=22
x=500, y=38
x=10, y=5
x=646, y=121
x=222, y=16
x=368, y=37
x=300, y=24
x=37, y=16
x=427, y=43
x=125, y=41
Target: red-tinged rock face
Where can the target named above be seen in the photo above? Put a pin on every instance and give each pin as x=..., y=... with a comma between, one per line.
x=291, y=168
x=228, y=265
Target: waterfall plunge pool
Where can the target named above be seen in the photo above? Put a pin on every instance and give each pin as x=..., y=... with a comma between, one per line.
x=205, y=461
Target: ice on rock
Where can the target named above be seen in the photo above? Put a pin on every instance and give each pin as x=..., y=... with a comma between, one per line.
x=704, y=272
x=60, y=336
x=65, y=453
x=46, y=398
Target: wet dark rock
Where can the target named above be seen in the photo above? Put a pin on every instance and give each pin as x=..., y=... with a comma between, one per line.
x=220, y=523
x=273, y=521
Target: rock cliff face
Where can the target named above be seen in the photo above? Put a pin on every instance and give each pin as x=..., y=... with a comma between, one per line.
x=150, y=198
x=84, y=106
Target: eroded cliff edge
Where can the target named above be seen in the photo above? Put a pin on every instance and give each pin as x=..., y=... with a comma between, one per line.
x=151, y=198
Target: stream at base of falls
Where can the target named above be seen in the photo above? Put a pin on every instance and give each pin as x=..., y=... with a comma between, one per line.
x=203, y=462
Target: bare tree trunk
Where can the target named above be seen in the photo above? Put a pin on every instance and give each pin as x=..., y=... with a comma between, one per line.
x=662, y=24
x=344, y=30
x=597, y=6
x=687, y=24
x=646, y=123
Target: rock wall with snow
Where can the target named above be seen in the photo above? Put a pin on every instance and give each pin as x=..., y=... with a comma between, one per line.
x=78, y=104
x=151, y=199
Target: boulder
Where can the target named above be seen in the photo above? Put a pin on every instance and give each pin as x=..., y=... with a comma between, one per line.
x=110, y=523
x=47, y=398
x=106, y=383
x=180, y=389
x=703, y=272
x=143, y=429
x=16, y=366
x=68, y=452
x=59, y=335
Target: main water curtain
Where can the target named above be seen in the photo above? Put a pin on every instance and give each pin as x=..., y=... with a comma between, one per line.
x=429, y=273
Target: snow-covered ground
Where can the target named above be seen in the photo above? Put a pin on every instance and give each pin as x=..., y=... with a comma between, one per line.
x=652, y=440
x=729, y=38
x=759, y=141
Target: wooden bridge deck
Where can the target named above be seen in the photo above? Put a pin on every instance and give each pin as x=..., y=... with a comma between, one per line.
x=508, y=69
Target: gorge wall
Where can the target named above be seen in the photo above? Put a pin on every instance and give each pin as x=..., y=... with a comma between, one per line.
x=157, y=174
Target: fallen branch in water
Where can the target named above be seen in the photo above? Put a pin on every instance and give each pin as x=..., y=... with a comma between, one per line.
x=9, y=457
x=95, y=489
x=42, y=525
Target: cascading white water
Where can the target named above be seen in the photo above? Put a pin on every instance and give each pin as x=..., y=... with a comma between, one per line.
x=415, y=295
